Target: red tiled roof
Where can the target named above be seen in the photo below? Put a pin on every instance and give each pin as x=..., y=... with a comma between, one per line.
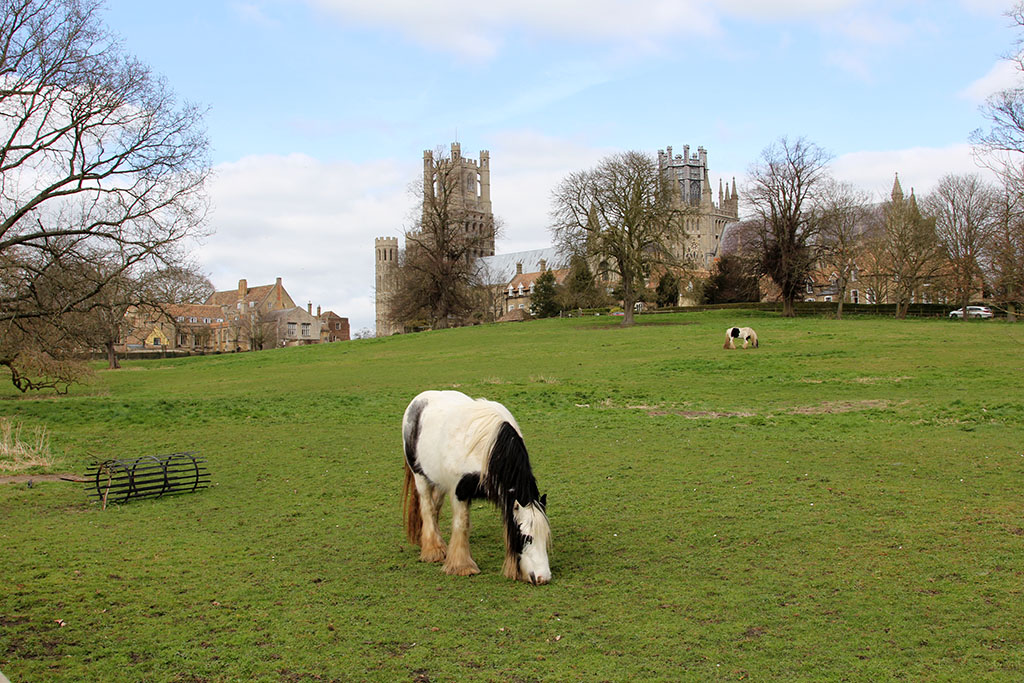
x=230, y=297
x=527, y=279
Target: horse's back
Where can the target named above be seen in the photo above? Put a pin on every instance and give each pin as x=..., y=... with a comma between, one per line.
x=448, y=434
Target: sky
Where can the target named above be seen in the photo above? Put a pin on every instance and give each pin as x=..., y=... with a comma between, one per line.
x=318, y=111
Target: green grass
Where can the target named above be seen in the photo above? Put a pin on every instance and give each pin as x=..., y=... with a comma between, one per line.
x=842, y=503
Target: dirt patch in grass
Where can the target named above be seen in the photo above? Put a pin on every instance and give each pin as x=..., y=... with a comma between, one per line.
x=839, y=407
x=699, y=414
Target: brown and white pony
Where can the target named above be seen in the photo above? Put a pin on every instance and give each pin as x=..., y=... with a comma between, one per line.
x=471, y=449
x=747, y=334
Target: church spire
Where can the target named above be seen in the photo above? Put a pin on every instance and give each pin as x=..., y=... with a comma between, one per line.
x=897, y=191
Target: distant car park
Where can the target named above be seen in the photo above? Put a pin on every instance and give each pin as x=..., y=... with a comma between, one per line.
x=972, y=312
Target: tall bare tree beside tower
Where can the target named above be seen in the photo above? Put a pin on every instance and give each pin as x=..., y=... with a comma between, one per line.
x=784, y=192
x=434, y=279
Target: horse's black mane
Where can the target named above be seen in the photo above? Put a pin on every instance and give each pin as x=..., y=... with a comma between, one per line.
x=509, y=476
x=508, y=479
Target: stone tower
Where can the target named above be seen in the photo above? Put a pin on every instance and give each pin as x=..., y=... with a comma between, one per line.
x=470, y=198
x=471, y=195
x=386, y=251
x=693, y=190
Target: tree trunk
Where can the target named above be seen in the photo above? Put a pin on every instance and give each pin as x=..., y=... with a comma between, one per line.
x=112, y=362
x=788, y=310
x=628, y=299
x=963, y=308
x=901, y=309
x=1011, y=312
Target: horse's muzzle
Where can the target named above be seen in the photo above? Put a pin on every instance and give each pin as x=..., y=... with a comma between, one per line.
x=538, y=580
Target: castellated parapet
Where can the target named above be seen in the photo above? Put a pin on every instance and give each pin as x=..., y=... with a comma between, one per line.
x=693, y=191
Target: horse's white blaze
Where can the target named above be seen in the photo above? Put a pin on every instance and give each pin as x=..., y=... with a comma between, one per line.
x=533, y=524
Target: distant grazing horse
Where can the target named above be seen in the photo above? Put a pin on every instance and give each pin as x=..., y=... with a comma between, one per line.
x=471, y=449
x=747, y=334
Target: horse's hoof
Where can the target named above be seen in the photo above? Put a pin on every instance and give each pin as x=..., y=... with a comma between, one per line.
x=462, y=570
x=433, y=554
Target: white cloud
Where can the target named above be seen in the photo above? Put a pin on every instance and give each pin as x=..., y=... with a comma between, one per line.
x=526, y=167
x=253, y=13
x=309, y=222
x=1004, y=74
x=919, y=168
x=474, y=28
x=786, y=9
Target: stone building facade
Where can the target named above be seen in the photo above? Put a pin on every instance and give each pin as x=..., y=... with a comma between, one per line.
x=469, y=197
x=700, y=245
x=693, y=190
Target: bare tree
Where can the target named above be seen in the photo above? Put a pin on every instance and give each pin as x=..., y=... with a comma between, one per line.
x=1004, y=258
x=96, y=158
x=439, y=275
x=964, y=209
x=913, y=253
x=177, y=284
x=1001, y=147
x=784, y=191
x=258, y=330
x=874, y=267
x=623, y=211
x=844, y=213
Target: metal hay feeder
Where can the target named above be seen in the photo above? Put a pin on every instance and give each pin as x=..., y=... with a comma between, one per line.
x=151, y=476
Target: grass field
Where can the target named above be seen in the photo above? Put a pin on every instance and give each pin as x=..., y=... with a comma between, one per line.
x=844, y=503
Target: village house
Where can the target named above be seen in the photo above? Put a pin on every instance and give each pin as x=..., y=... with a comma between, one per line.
x=332, y=327
x=241, y=319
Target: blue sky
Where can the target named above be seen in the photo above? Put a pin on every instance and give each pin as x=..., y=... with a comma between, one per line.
x=319, y=110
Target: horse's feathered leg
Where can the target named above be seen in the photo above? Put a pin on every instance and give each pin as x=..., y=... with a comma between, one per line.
x=459, y=561
x=432, y=546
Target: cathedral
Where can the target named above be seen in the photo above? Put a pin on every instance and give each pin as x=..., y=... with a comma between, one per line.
x=699, y=245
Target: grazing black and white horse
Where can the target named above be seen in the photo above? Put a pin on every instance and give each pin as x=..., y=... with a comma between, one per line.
x=745, y=333
x=471, y=449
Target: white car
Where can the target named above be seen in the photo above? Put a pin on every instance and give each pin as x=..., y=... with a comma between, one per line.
x=972, y=312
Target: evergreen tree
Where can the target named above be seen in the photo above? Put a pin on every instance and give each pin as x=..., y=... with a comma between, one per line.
x=544, y=300
x=580, y=290
x=730, y=283
x=667, y=293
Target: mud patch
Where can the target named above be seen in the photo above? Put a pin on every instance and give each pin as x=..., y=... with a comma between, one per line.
x=829, y=407
x=700, y=414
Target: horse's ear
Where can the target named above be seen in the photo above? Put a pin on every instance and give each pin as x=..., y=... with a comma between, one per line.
x=544, y=501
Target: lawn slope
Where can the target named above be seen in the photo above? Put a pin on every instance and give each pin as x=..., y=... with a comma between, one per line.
x=841, y=503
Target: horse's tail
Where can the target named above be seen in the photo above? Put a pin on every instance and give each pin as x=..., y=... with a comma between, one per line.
x=411, y=507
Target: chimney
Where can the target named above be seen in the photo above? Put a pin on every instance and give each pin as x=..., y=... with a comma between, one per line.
x=280, y=297
x=243, y=288
x=318, y=311
x=309, y=307
x=543, y=265
x=519, y=268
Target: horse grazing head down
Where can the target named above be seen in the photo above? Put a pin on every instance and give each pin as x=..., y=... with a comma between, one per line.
x=528, y=552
